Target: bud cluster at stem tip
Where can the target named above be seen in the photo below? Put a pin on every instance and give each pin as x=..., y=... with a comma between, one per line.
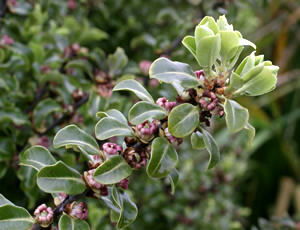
x=44, y=215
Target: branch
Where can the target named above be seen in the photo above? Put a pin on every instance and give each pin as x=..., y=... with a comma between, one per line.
x=37, y=97
x=3, y=8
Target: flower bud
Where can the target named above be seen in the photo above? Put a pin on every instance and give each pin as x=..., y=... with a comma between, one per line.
x=45, y=69
x=72, y=4
x=174, y=140
x=134, y=159
x=77, y=94
x=124, y=183
x=145, y=66
x=44, y=215
x=44, y=141
x=111, y=148
x=97, y=161
x=168, y=105
x=6, y=41
x=145, y=131
x=200, y=74
x=60, y=198
x=98, y=189
x=79, y=210
x=208, y=101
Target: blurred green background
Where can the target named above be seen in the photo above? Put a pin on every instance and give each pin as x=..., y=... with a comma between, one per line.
x=248, y=187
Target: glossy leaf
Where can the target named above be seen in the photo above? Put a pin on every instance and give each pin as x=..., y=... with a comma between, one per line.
x=60, y=178
x=4, y=201
x=135, y=87
x=113, y=113
x=197, y=141
x=183, y=120
x=174, y=178
x=7, y=149
x=235, y=83
x=71, y=136
x=117, y=61
x=110, y=127
x=190, y=43
x=229, y=45
x=168, y=71
x=128, y=209
x=113, y=170
x=82, y=65
x=249, y=133
x=212, y=148
x=163, y=158
x=143, y=111
x=15, y=218
x=37, y=157
x=68, y=223
x=210, y=23
x=236, y=116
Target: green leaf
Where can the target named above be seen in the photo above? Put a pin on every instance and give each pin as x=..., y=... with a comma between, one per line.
x=90, y=35
x=190, y=43
x=168, y=71
x=15, y=218
x=71, y=136
x=113, y=170
x=208, y=50
x=248, y=133
x=210, y=23
x=236, y=116
x=60, y=178
x=212, y=148
x=135, y=87
x=13, y=115
x=229, y=45
x=128, y=209
x=234, y=84
x=116, y=61
x=246, y=65
x=143, y=111
x=82, y=65
x=43, y=110
x=183, y=120
x=109, y=127
x=163, y=158
x=68, y=223
x=37, y=157
x=245, y=42
x=113, y=113
x=197, y=141
x=174, y=178
x=7, y=149
x=4, y=201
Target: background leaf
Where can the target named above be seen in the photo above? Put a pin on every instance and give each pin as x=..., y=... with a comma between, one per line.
x=68, y=223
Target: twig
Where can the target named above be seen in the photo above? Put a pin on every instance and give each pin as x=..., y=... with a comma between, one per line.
x=37, y=97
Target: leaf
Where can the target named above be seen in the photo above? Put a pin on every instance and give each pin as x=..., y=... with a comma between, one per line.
x=13, y=115
x=60, y=178
x=208, y=50
x=190, y=43
x=229, y=45
x=37, y=157
x=210, y=23
x=183, y=120
x=248, y=133
x=128, y=209
x=246, y=65
x=71, y=136
x=143, y=111
x=135, y=87
x=15, y=218
x=163, y=158
x=236, y=116
x=90, y=35
x=4, y=201
x=245, y=42
x=112, y=171
x=113, y=113
x=174, y=178
x=43, y=110
x=197, y=141
x=116, y=61
x=82, y=65
x=7, y=149
x=212, y=148
x=110, y=127
x=68, y=223
x=234, y=84
x=168, y=71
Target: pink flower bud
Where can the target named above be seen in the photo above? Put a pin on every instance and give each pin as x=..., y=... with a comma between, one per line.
x=209, y=100
x=145, y=66
x=79, y=211
x=44, y=141
x=173, y=140
x=96, y=162
x=124, y=183
x=168, y=105
x=13, y=3
x=146, y=130
x=72, y=4
x=111, y=148
x=44, y=215
x=6, y=40
x=94, y=185
x=200, y=74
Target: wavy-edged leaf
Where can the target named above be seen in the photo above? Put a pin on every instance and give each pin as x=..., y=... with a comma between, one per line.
x=174, y=178
x=68, y=223
x=113, y=113
x=128, y=209
x=113, y=170
x=60, y=178
x=236, y=116
x=197, y=141
x=15, y=218
x=110, y=127
x=4, y=201
x=183, y=119
x=168, y=71
x=135, y=87
x=71, y=136
x=212, y=148
x=143, y=111
x=163, y=158
x=37, y=157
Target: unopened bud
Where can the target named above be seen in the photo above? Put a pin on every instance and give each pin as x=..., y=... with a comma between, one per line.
x=44, y=215
x=146, y=130
x=145, y=66
x=111, y=148
x=97, y=161
x=168, y=105
x=174, y=140
x=79, y=210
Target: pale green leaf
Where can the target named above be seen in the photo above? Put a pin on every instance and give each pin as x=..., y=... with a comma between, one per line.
x=113, y=113
x=174, y=178
x=116, y=61
x=197, y=141
x=68, y=223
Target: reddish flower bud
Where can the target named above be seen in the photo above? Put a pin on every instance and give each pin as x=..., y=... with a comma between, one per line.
x=75, y=48
x=199, y=74
x=99, y=189
x=145, y=66
x=44, y=141
x=209, y=100
x=111, y=148
x=174, y=140
x=44, y=215
x=79, y=210
x=12, y=3
x=96, y=162
x=146, y=130
x=72, y=4
x=168, y=105
x=6, y=41
x=124, y=183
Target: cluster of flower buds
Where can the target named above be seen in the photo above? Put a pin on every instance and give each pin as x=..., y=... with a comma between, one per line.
x=104, y=83
x=134, y=159
x=124, y=183
x=110, y=148
x=98, y=189
x=168, y=105
x=200, y=74
x=44, y=215
x=59, y=198
x=174, y=140
x=72, y=4
x=146, y=130
x=208, y=101
x=71, y=50
x=97, y=161
x=44, y=141
x=145, y=66
x=6, y=41
x=78, y=210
